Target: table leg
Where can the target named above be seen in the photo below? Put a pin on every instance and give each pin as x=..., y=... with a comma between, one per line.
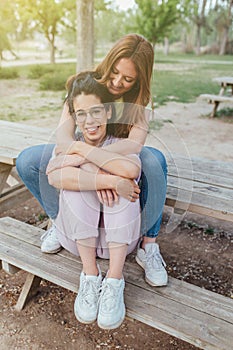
x=216, y=103
x=5, y=170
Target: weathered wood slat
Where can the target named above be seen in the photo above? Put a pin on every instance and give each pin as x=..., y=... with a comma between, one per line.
x=15, y=137
x=216, y=98
x=192, y=198
x=184, y=292
x=202, y=165
x=208, y=178
x=172, y=309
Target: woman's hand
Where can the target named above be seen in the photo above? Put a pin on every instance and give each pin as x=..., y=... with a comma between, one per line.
x=108, y=197
x=68, y=147
x=128, y=189
x=63, y=161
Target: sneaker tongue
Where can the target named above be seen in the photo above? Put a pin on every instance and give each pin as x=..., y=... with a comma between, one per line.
x=151, y=247
x=91, y=278
x=114, y=282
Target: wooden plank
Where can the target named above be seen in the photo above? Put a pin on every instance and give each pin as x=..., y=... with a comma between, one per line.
x=30, y=289
x=144, y=305
x=5, y=170
x=216, y=98
x=212, y=191
x=215, y=180
x=199, y=204
x=184, y=292
x=9, y=268
x=224, y=80
x=15, y=137
x=201, y=165
x=8, y=200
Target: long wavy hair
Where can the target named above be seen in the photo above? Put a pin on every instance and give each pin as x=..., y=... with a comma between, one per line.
x=86, y=83
x=141, y=53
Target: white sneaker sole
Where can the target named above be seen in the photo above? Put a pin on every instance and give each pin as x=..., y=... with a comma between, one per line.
x=140, y=263
x=112, y=326
x=84, y=321
x=54, y=251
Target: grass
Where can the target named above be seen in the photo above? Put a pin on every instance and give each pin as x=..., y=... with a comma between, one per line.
x=186, y=84
x=177, y=77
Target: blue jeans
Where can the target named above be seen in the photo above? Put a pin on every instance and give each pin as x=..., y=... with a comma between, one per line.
x=31, y=165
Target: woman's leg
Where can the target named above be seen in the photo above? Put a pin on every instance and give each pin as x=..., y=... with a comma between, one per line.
x=78, y=220
x=122, y=226
x=31, y=165
x=153, y=186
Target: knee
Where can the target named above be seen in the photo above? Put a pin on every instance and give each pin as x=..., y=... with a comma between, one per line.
x=153, y=159
x=33, y=159
x=24, y=162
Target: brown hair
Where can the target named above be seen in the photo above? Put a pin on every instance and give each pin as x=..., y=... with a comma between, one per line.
x=140, y=51
x=86, y=83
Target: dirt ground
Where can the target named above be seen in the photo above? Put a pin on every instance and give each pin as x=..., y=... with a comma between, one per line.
x=198, y=251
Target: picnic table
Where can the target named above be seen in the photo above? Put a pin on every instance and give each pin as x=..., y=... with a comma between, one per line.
x=191, y=313
x=225, y=82
x=225, y=95
x=14, y=138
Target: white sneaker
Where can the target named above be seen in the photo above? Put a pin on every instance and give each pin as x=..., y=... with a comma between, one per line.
x=50, y=243
x=152, y=262
x=86, y=302
x=111, y=304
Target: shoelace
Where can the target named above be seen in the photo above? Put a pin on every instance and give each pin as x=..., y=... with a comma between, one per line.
x=108, y=296
x=155, y=260
x=48, y=233
x=89, y=292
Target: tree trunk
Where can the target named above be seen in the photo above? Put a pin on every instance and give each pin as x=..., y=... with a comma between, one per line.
x=198, y=47
x=223, y=42
x=166, y=46
x=85, y=35
x=227, y=26
x=52, y=52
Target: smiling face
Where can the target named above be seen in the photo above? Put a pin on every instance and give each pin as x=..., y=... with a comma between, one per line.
x=122, y=78
x=91, y=118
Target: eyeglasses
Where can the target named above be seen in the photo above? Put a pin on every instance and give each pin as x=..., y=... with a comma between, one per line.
x=95, y=113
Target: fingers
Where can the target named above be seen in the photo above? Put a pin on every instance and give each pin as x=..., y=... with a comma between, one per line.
x=107, y=197
x=134, y=195
x=99, y=194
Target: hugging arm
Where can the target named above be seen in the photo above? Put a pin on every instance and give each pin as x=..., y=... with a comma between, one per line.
x=77, y=179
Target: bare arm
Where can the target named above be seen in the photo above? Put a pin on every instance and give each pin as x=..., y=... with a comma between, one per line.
x=114, y=163
x=76, y=179
x=133, y=144
x=65, y=132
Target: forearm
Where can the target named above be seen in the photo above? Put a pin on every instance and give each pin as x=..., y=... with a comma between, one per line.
x=114, y=163
x=133, y=144
x=65, y=132
x=76, y=179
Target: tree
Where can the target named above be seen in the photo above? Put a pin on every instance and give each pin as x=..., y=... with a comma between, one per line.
x=7, y=26
x=45, y=16
x=155, y=18
x=85, y=34
x=223, y=23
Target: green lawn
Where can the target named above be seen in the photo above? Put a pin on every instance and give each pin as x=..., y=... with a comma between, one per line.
x=176, y=77
x=184, y=77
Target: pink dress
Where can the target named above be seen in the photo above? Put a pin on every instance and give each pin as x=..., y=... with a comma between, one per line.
x=82, y=216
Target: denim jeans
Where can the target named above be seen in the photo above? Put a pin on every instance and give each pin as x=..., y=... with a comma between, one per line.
x=31, y=165
x=153, y=185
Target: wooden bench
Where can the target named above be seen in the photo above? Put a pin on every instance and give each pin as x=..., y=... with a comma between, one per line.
x=198, y=316
x=14, y=138
x=216, y=99
x=200, y=186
